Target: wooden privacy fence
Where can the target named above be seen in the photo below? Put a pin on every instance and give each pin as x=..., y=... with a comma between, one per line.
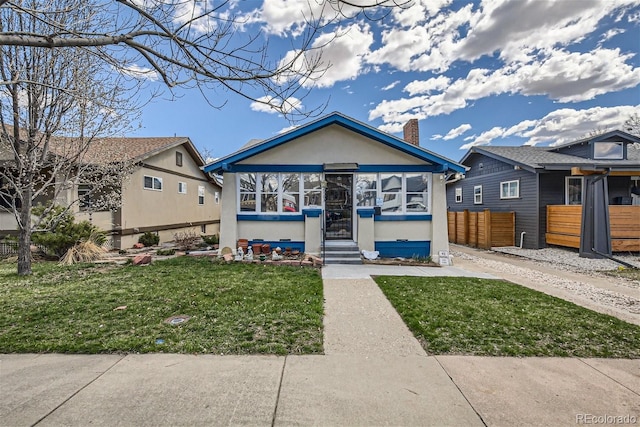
x=564, y=226
x=484, y=229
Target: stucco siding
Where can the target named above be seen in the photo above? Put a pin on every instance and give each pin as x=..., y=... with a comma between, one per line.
x=333, y=144
x=271, y=231
x=404, y=230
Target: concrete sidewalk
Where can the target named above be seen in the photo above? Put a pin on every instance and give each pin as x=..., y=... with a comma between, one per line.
x=373, y=373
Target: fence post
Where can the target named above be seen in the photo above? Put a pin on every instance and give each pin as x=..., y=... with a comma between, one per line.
x=487, y=229
x=465, y=223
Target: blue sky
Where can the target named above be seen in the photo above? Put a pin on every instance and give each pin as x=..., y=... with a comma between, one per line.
x=474, y=73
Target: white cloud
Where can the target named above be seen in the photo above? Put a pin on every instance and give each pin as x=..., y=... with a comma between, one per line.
x=611, y=33
x=560, y=126
x=427, y=86
x=343, y=49
x=391, y=85
x=272, y=105
x=566, y=124
x=139, y=72
x=562, y=76
x=454, y=133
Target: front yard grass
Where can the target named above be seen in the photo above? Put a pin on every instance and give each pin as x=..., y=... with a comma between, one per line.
x=459, y=315
x=233, y=309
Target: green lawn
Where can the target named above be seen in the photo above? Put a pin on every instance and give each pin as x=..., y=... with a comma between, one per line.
x=234, y=309
x=452, y=315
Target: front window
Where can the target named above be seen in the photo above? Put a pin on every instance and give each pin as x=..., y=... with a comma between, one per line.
x=182, y=187
x=290, y=192
x=510, y=189
x=477, y=195
x=282, y=193
x=416, y=185
x=573, y=190
x=312, y=187
x=248, y=192
x=366, y=189
x=178, y=158
x=608, y=150
x=269, y=192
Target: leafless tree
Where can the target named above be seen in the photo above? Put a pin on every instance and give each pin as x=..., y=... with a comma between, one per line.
x=632, y=124
x=192, y=44
x=68, y=69
x=55, y=106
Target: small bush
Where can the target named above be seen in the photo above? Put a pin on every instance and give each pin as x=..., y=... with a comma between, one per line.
x=149, y=239
x=186, y=239
x=165, y=252
x=62, y=232
x=211, y=240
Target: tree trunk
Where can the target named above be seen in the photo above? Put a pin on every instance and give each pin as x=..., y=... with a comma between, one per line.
x=24, y=236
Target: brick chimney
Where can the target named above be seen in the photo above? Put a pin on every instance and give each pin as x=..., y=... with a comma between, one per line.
x=411, y=132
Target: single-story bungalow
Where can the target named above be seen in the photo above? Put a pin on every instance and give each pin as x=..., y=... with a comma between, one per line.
x=337, y=179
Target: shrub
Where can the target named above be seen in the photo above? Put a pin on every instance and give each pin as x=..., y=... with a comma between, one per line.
x=63, y=233
x=211, y=240
x=166, y=252
x=149, y=239
x=186, y=239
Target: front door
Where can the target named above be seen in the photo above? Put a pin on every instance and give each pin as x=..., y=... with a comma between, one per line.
x=339, y=206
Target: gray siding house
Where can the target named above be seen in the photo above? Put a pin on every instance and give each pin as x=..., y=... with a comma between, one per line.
x=526, y=180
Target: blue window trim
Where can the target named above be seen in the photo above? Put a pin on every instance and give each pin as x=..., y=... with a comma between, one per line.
x=269, y=217
x=408, y=217
x=312, y=213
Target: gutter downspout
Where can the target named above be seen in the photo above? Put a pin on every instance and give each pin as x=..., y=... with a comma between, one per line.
x=522, y=238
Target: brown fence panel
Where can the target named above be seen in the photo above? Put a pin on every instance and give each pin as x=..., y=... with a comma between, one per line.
x=503, y=228
x=564, y=226
x=451, y=226
x=473, y=229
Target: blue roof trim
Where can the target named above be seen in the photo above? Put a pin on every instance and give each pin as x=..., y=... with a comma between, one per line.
x=226, y=163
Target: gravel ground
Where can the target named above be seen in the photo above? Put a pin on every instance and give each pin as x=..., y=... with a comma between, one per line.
x=560, y=259
x=569, y=260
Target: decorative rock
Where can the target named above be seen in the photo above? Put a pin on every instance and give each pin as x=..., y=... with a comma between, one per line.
x=142, y=259
x=138, y=246
x=228, y=257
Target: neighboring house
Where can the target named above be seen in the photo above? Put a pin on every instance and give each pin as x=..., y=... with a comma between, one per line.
x=338, y=175
x=166, y=193
x=526, y=180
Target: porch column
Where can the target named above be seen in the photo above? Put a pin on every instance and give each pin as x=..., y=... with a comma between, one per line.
x=312, y=231
x=595, y=233
x=439, y=230
x=366, y=230
x=228, y=214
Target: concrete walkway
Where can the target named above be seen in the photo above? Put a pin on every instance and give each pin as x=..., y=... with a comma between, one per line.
x=373, y=373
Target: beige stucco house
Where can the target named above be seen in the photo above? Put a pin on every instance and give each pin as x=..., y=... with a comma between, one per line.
x=166, y=192
x=337, y=180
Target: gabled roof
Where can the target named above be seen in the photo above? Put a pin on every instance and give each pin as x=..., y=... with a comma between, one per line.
x=339, y=119
x=538, y=158
x=135, y=149
x=601, y=137
x=526, y=157
x=140, y=149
